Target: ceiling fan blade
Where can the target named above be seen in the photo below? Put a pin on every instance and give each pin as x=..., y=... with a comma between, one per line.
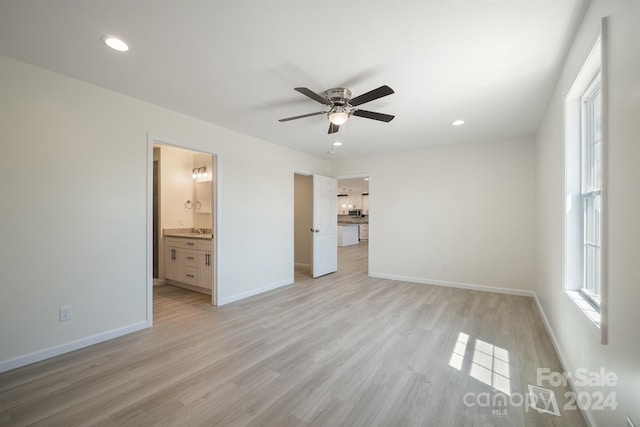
x=302, y=116
x=333, y=128
x=373, y=115
x=371, y=95
x=311, y=94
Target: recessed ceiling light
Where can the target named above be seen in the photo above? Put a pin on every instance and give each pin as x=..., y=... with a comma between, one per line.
x=366, y=179
x=458, y=122
x=337, y=143
x=115, y=43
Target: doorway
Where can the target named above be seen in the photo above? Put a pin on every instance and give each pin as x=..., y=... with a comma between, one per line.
x=303, y=224
x=315, y=227
x=354, y=215
x=181, y=209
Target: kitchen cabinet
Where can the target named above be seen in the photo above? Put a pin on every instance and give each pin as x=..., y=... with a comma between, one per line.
x=364, y=231
x=189, y=261
x=365, y=204
x=347, y=235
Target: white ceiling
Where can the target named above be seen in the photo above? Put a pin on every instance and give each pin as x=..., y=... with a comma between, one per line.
x=353, y=186
x=235, y=63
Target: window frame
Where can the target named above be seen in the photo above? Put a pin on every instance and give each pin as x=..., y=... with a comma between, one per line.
x=593, y=306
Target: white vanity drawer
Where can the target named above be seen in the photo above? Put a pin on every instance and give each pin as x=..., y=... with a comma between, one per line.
x=175, y=242
x=205, y=245
x=190, y=258
x=191, y=275
x=190, y=243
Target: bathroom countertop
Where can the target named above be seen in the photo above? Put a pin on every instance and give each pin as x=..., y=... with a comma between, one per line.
x=188, y=233
x=191, y=235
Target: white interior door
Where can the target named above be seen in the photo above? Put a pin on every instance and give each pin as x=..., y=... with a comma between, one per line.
x=325, y=225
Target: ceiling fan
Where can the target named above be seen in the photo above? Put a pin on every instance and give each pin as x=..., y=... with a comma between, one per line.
x=342, y=106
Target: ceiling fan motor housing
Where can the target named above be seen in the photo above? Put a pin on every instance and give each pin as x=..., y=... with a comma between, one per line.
x=338, y=95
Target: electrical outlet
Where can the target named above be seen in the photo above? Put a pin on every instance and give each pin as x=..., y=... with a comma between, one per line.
x=630, y=423
x=65, y=313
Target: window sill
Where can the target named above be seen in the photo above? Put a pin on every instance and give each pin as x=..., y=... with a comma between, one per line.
x=586, y=307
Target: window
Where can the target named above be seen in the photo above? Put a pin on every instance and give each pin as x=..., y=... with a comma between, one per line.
x=585, y=139
x=591, y=191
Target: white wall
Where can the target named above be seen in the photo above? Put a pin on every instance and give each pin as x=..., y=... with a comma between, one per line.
x=576, y=338
x=303, y=208
x=73, y=170
x=469, y=206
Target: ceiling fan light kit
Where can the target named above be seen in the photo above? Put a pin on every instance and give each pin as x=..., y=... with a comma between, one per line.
x=339, y=116
x=342, y=106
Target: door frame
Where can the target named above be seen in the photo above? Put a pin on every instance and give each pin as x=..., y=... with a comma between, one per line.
x=151, y=141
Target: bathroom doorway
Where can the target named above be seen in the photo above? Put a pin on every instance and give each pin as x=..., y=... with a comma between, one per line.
x=182, y=219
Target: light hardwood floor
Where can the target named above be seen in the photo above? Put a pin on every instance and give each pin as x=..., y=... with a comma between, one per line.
x=343, y=349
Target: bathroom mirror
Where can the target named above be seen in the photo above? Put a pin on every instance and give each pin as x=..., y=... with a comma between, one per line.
x=203, y=197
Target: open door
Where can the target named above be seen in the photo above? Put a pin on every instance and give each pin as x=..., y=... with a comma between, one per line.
x=325, y=226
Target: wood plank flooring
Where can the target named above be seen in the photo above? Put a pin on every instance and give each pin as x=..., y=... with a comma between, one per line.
x=344, y=349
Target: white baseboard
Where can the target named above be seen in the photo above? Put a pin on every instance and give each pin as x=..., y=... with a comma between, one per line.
x=563, y=361
x=552, y=335
x=253, y=292
x=470, y=286
x=57, y=350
